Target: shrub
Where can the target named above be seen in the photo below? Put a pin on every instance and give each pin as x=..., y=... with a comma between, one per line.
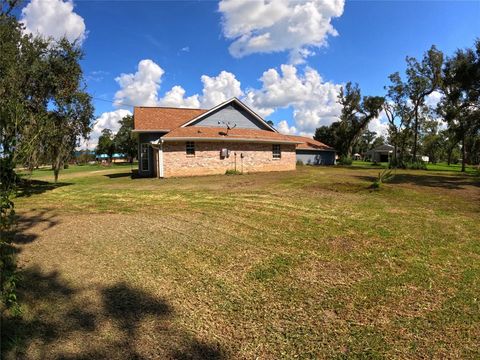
x=383, y=176
x=375, y=163
x=395, y=163
x=344, y=160
x=416, y=165
x=233, y=172
x=300, y=163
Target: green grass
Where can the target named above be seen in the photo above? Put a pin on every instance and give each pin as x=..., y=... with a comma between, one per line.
x=305, y=264
x=472, y=170
x=47, y=172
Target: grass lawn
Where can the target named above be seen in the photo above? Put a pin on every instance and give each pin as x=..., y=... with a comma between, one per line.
x=471, y=170
x=305, y=264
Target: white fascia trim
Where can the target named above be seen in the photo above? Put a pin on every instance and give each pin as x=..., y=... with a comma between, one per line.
x=237, y=101
x=300, y=149
x=151, y=131
x=200, y=139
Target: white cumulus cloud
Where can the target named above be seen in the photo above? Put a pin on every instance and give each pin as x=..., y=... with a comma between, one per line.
x=140, y=88
x=176, y=98
x=379, y=125
x=262, y=26
x=53, y=18
x=219, y=88
x=286, y=129
x=314, y=101
x=108, y=120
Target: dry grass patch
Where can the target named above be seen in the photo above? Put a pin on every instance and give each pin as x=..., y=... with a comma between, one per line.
x=306, y=264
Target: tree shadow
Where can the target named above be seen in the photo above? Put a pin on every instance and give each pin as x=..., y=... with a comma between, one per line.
x=125, y=323
x=27, y=221
x=27, y=188
x=433, y=181
x=120, y=175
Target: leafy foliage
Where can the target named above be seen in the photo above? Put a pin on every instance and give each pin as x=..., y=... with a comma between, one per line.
x=125, y=140
x=106, y=143
x=416, y=165
x=461, y=103
x=233, y=172
x=357, y=112
x=43, y=112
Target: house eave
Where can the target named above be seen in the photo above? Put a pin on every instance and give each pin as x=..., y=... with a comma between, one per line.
x=311, y=149
x=151, y=131
x=228, y=139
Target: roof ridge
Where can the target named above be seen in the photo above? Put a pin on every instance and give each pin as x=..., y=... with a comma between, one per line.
x=169, y=107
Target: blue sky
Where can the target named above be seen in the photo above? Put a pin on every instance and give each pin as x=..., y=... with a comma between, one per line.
x=186, y=40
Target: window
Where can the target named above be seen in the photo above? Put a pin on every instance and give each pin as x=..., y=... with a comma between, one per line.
x=276, y=152
x=190, y=148
x=144, y=161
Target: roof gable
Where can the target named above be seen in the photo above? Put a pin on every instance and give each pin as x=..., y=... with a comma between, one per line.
x=234, y=112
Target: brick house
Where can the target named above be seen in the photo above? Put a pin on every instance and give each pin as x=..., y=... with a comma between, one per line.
x=189, y=142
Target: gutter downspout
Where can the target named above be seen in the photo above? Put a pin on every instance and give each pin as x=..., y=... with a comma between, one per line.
x=160, y=160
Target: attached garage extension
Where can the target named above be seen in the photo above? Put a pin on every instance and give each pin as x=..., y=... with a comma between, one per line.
x=313, y=152
x=316, y=157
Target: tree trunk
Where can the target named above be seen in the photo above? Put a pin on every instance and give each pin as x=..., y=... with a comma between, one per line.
x=415, y=134
x=463, y=154
x=350, y=150
x=449, y=156
x=56, y=168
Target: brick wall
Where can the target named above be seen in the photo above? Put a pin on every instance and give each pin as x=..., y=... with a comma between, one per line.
x=207, y=161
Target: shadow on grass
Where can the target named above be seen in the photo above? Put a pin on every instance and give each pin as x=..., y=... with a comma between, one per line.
x=28, y=188
x=121, y=175
x=105, y=321
x=125, y=323
x=25, y=222
x=429, y=180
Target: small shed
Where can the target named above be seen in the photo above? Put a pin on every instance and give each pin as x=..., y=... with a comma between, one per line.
x=382, y=153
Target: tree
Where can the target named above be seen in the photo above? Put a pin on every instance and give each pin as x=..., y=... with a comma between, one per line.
x=356, y=114
x=32, y=98
x=328, y=135
x=106, y=143
x=62, y=110
x=366, y=141
x=70, y=110
x=399, y=113
x=432, y=141
x=378, y=141
x=449, y=141
x=125, y=141
x=423, y=78
x=460, y=105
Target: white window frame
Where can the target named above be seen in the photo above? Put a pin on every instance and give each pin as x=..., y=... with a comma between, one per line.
x=142, y=145
x=276, y=155
x=192, y=145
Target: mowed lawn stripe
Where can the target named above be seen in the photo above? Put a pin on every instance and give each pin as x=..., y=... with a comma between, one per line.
x=307, y=264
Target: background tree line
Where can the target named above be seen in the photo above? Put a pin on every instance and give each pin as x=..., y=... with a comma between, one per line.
x=448, y=131
x=124, y=141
